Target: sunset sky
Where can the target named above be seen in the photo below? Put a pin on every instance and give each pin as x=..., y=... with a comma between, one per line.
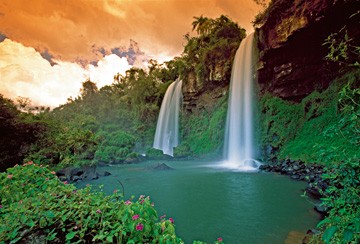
x=49, y=47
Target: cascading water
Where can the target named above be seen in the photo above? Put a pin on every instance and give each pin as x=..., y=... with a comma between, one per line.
x=167, y=128
x=239, y=137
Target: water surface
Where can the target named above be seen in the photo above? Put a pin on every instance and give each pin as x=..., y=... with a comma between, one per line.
x=208, y=202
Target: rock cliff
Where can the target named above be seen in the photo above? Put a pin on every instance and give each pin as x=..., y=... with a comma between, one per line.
x=291, y=52
x=291, y=57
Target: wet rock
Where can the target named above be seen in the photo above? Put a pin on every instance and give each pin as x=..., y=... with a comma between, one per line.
x=295, y=177
x=103, y=173
x=74, y=174
x=321, y=209
x=313, y=192
x=162, y=166
x=309, y=235
x=265, y=167
x=76, y=178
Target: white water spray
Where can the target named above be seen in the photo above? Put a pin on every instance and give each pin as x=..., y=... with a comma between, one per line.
x=239, y=137
x=167, y=128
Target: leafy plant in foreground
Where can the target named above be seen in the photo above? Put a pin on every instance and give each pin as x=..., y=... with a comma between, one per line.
x=33, y=200
x=342, y=197
x=35, y=206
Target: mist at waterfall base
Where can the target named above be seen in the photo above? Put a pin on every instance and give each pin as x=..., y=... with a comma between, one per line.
x=239, y=152
x=167, y=128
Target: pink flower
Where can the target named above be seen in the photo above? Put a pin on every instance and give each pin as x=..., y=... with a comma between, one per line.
x=127, y=202
x=65, y=182
x=135, y=217
x=98, y=211
x=219, y=239
x=9, y=176
x=139, y=227
x=171, y=220
x=115, y=191
x=163, y=216
x=31, y=162
x=46, y=178
x=142, y=201
x=141, y=196
x=0, y=206
x=16, y=165
x=53, y=172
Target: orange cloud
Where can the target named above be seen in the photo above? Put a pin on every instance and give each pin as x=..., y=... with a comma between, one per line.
x=70, y=30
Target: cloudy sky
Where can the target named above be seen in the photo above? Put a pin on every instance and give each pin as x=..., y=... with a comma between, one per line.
x=48, y=47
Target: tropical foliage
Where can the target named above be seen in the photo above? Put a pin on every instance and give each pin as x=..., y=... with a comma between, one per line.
x=323, y=128
x=52, y=211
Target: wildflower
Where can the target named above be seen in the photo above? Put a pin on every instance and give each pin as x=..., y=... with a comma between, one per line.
x=141, y=196
x=163, y=216
x=9, y=176
x=171, y=220
x=219, y=239
x=139, y=227
x=135, y=217
x=127, y=202
x=31, y=162
x=152, y=204
x=142, y=201
x=74, y=191
x=98, y=211
x=53, y=172
x=16, y=165
x=20, y=201
x=115, y=191
x=46, y=178
x=0, y=206
x=65, y=182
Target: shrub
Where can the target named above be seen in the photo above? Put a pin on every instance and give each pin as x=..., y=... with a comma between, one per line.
x=115, y=147
x=33, y=200
x=342, y=198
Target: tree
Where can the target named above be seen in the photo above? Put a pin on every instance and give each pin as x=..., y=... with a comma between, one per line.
x=88, y=88
x=202, y=25
x=18, y=132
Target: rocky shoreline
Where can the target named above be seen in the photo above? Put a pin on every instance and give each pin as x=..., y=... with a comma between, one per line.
x=298, y=170
x=74, y=174
x=311, y=173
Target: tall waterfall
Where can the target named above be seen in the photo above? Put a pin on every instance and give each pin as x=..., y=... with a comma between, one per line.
x=239, y=137
x=167, y=128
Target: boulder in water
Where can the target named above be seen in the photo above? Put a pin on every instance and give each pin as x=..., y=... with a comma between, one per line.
x=162, y=166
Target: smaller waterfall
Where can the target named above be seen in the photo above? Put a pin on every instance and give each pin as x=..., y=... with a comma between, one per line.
x=167, y=128
x=239, y=136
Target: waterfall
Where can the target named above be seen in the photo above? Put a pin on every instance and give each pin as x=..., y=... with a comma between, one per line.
x=167, y=128
x=239, y=137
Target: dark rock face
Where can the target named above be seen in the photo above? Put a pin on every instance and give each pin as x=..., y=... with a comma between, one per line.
x=291, y=58
x=204, y=96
